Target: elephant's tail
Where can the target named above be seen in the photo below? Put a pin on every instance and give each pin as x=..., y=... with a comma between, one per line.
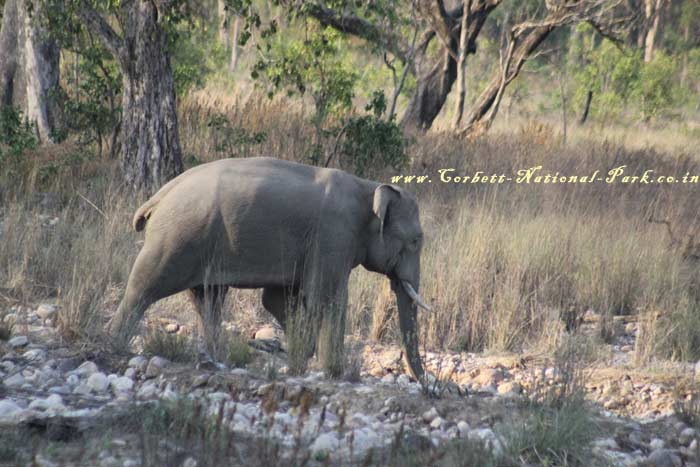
x=143, y=213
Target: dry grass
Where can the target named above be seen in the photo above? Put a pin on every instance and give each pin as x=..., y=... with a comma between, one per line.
x=503, y=266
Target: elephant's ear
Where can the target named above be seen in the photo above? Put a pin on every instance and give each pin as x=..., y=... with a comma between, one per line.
x=383, y=196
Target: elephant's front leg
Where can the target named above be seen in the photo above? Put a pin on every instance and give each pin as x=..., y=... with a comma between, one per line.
x=331, y=339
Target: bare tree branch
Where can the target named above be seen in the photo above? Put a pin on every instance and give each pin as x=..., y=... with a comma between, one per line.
x=351, y=24
x=97, y=24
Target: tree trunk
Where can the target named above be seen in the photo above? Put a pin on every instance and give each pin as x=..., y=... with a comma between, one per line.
x=461, y=61
x=151, y=153
x=586, y=107
x=29, y=68
x=223, y=23
x=433, y=87
x=150, y=143
x=482, y=111
x=652, y=12
x=233, y=62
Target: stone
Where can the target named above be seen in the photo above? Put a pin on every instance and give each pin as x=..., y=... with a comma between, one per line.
x=438, y=423
x=98, y=382
x=509, y=387
x=403, y=380
x=489, y=438
x=46, y=311
x=488, y=377
x=9, y=410
x=147, y=391
x=82, y=389
x=267, y=332
x=14, y=381
x=139, y=363
x=430, y=415
x=325, y=443
x=155, y=366
x=53, y=403
x=389, y=378
x=687, y=435
x=364, y=439
x=606, y=444
x=35, y=354
x=19, y=341
x=86, y=369
x=190, y=462
x=664, y=458
x=656, y=443
x=122, y=384
x=172, y=328
x=463, y=428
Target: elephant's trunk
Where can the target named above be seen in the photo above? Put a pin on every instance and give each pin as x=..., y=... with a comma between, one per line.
x=408, y=322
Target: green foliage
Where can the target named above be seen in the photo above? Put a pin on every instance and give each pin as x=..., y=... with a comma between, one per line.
x=621, y=80
x=311, y=66
x=233, y=140
x=371, y=144
x=17, y=135
x=655, y=86
x=238, y=353
x=92, y=108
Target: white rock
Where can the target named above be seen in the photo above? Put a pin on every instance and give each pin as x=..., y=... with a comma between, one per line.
x=14, y=381
x=430, y=415
x=326, y=442
x=9, y=410
x=363, y=440
x=122, y=384
x=190, y=462
x=463, y=428
x=19, y=341
x=172, y=328
x=35, y=354
x=608, y=444
x=147, y=391
x=489, y=438
x=72, y=380
x=85, y=369
x=98, y=382
x=53, y=403
x=139, y=363
x=656, y=443
x=82, y=389
x=403, y=380
x=389, y=378
x=663, y=458
x=130, y=373
x=686, y=436
x=438, y=423
x=155, y=366
x=46, y=310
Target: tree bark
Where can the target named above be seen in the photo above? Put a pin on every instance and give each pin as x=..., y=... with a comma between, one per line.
x=434, y=86
x=482, y=112
x=29, y=68
x=223, y=23
x=233, y=62
x=652, y=13
x=461, y=61
x=150, y=144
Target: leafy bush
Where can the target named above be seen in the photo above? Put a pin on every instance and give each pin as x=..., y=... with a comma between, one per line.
x=371, y=144
x=17, y=135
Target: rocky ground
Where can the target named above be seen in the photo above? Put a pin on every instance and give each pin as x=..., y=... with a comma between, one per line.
x=61, y=405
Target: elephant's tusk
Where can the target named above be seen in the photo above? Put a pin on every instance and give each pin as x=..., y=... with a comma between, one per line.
x=414, y=295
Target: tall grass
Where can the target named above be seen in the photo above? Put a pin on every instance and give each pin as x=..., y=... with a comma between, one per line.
x=503, y=265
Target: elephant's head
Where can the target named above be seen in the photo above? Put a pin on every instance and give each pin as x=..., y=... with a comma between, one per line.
x=394, y=249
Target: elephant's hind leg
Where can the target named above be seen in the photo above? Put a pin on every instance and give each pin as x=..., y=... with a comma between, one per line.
x=209, y=302
x=280, y=302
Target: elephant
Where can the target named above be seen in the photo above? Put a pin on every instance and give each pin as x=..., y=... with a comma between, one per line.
x=296, y=231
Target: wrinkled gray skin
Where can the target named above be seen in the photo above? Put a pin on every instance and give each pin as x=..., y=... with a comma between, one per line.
x=283, y=227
